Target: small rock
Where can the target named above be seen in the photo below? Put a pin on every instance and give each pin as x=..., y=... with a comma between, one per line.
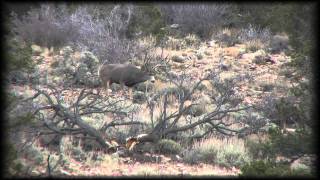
x=173, y=75
x=158, y=159
x=224, y=67
x=64, y=172
x=174, y=26
x=199, y=55
x=280, y=159
x=36, y=50
x=127, y=160
x=247, y=100
x=252, y=67
x=260, y=60
x=176, y=158
x=303, y=162
x=179, y=59
x=270, y=59
x=211, y=43
x=201, y=165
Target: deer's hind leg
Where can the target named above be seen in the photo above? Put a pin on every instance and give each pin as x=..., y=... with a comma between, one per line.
x=130, y=93
x=105, y=86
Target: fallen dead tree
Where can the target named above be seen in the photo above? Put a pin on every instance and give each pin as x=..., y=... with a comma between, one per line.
x=66, y=118
x=223, y=97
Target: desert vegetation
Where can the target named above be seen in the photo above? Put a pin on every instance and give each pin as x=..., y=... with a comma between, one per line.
x=232, y=95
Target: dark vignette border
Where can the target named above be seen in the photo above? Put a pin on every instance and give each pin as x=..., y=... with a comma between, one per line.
x=4, y=9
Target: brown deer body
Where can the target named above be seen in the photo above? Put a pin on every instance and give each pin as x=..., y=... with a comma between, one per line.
x=123, y=74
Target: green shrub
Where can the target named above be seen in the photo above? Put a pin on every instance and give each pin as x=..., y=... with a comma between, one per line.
x=146, y=19
x=192, y=156
x=260, y=60
x=202, y=87
x=267, y=168
x=19, y=55
x=33, y=153
x=267, y=86
x=233, y=154
x=69, y=70
x=13, y=165
x=289, y=109
x=199, y=55
x=260, y=150
x=196, y=110
x=292, y=144
x=139, y=97
x=168, y=146
x=300, y=142
x=302, y=170
x=279, y=43
x=261, y=168
x=17, y=168
x=79, y=154
x=255, y=168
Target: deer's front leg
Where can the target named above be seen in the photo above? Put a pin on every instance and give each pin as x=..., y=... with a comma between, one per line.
x=122, y=87
x=107, y=87
x=130, y=93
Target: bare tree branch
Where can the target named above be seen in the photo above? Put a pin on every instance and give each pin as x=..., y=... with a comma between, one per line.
x=62, y=119
x=222, y=99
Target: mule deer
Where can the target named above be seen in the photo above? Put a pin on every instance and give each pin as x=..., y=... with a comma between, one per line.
x=124, y=74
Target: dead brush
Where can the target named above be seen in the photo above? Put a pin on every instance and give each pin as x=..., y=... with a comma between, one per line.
x=147, y=41
x=227, y=37
x=175, y=44
x=254, y=45
x=226, y=151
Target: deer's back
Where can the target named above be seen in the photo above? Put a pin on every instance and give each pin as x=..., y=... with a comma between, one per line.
x=119, y=72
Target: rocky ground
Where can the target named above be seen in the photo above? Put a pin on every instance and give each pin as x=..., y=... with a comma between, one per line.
x=233, y=61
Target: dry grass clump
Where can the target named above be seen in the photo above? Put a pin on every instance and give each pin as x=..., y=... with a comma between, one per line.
x=143, y=171
x=227, y=37
x=147, y=40
x=176, y=44
x=254, y=45
x=159, y=85
x=226, y=152
x=192, y=40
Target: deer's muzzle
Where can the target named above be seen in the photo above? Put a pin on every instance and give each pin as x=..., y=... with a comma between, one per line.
x=152, y=79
